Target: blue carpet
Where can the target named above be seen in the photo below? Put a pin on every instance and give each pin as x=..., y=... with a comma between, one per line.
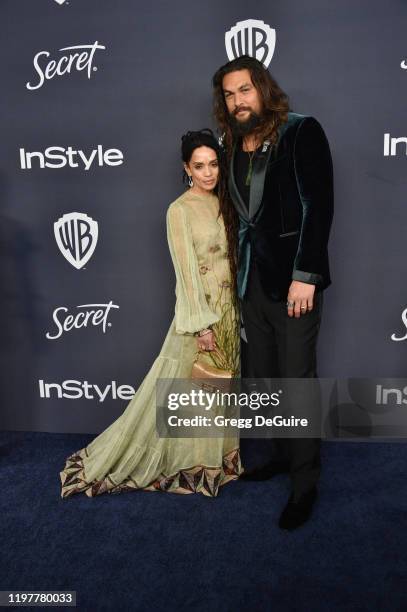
x=150, y=551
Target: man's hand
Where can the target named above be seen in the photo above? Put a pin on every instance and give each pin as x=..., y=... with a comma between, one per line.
x=300, y=298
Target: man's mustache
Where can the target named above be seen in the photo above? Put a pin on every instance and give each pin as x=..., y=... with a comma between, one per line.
x=241, y=108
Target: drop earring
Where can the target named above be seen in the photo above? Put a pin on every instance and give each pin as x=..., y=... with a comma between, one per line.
x=190, y=181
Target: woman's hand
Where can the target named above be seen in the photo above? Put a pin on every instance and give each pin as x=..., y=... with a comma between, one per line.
x=206, y=342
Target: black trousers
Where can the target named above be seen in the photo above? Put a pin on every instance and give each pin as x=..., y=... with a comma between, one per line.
x=283, y=347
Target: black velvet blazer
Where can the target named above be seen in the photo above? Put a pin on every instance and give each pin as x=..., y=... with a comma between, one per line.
x=290, y=211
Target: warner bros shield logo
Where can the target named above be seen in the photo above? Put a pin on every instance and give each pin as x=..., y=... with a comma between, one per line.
x=76, y=235
x=251, y=37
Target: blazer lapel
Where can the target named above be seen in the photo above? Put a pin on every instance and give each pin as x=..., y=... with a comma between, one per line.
x=233, y=190
x=258, y=177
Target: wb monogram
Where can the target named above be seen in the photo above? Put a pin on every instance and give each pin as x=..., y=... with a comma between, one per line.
x=251, y=37
x=76, y=235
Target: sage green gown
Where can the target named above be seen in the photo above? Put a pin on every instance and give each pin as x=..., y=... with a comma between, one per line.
x=129, y=455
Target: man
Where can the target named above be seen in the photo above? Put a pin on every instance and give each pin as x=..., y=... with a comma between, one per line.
x=281, y=184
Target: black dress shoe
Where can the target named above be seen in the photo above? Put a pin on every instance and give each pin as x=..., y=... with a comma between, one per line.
x=296, y=513
x=267, y=471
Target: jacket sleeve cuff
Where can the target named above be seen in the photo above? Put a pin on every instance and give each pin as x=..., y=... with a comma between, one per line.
x=307, y=277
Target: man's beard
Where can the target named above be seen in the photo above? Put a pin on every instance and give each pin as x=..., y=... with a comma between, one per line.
x=244, y=128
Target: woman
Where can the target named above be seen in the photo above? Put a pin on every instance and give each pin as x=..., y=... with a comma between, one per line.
x=129, y=454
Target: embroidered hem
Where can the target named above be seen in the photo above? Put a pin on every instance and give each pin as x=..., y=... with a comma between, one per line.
x=197, y=479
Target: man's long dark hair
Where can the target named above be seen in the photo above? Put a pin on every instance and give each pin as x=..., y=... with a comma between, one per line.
x=275, y=100
x=206, y=138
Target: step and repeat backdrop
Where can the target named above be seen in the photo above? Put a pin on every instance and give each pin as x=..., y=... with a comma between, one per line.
x=95, y=96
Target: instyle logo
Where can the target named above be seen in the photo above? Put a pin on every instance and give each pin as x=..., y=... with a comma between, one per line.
x=390, y=145
x=398, y=396
x=76, y=235
x=75, y=60
x=58, y=157
x=251, y=37
x=76, y=389
x=404, y=319
x=92, y=315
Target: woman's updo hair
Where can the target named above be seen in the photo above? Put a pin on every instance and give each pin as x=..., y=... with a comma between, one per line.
x=193, y=140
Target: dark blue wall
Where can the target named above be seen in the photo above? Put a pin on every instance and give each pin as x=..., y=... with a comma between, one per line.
x=340, y=62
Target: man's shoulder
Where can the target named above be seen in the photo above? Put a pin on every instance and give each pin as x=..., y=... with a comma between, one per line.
x=298, y=119
x=295, y=119
x=290, y=128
